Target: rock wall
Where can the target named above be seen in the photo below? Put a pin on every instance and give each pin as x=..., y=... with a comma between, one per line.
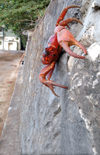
x=69, y=124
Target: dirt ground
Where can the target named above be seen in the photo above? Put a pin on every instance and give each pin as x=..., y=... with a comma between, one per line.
x=9, y=65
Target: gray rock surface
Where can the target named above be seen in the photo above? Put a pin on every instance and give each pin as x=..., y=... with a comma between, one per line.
x=70, y=124
x=10, y=140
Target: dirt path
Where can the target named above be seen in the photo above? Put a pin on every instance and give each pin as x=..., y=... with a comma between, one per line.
x=9, y=63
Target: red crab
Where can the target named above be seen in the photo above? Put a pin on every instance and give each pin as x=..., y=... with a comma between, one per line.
x=62, y=38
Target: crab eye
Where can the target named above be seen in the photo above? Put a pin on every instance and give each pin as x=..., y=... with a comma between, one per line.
x=45, y=52
x=49, y=49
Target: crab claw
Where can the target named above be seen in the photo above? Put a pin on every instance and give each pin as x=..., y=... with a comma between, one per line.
x=66, y=39
x=68, y=50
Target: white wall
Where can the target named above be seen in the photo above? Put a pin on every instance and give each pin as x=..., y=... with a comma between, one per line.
x=10, y=43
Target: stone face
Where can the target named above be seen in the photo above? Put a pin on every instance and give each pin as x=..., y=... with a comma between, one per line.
x=69, y=124
x=96, y=4
x=94, y=51
x=85, y=92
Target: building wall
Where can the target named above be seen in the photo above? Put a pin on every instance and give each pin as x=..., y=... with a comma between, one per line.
x=9, y=43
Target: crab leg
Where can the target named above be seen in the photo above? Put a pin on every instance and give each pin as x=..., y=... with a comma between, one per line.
x=48, y=70
x=61, y=17
x=50, y=74
x=65, y=22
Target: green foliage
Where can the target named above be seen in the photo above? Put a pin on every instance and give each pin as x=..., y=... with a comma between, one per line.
x=20, y=15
